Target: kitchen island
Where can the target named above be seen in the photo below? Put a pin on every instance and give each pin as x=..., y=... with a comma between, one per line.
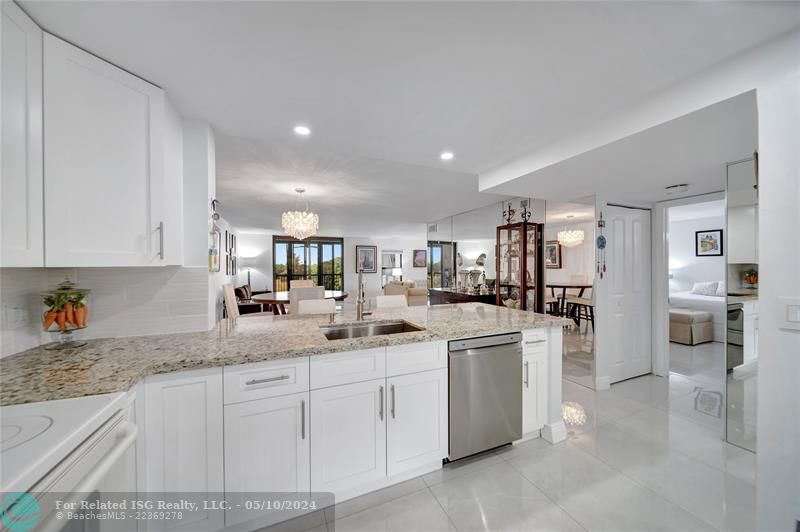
x=270, y=404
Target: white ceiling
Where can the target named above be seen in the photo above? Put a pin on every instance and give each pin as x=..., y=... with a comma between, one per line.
x=692, y=149
x=697, y=211
x=580, y=210
x=353, y=196
x=400, y=82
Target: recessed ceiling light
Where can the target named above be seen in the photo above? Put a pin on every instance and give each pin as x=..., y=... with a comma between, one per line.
x=446, y=155
x=302, y=131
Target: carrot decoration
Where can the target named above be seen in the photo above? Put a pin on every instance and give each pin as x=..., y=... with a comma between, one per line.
x=61, y=320
x=80, y=316
x=49, y=318
x=69, y=309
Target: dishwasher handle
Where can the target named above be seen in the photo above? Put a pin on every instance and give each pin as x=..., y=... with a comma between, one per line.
x=485, y=342
x=497, y=350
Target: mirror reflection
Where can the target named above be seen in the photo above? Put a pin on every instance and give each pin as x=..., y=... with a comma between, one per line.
x=742, y=315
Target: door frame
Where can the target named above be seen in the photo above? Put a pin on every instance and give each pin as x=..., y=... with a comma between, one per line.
x=660, y=276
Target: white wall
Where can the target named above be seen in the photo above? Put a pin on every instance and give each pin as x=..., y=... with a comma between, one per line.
x=256, y=246
x=407, y=243
x=122, y=302
x=197, y=145
x=216, y=280
x=779, y=254
x=686, y=268
x=579, y=260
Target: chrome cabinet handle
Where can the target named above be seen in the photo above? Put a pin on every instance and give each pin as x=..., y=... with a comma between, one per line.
x=529, y=342
x=526, y=374
x=161, y=240
x=270, y=379
x=303, y=419
x=392, y=390
x=380, y=402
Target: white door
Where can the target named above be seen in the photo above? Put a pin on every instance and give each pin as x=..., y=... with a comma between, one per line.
x=183, y=442
x=21, y=212
x=348, y=436
x=416, y=433
x=266, y=450
x=628, y=279
x=104, y=185
x=534, y=392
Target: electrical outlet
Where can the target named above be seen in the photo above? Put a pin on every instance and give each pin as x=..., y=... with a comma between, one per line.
x=15, y=317
x=789, y=312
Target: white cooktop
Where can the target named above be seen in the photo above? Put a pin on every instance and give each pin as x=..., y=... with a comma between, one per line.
x=35, y=437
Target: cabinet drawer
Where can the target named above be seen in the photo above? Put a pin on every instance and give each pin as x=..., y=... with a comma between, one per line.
x=534, y=341
x=265, y=379
x=413, y=358
x=351, y=366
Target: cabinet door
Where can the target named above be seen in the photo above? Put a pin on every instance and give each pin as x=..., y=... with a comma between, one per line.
x=348, y=436
x=22, y=230
x=534, y=392
x=266, y=450
x=104, y=184
x=417, y=421
x=183, y=442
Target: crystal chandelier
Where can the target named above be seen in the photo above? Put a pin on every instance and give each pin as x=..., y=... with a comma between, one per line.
x=570, y=237
x=300, y=224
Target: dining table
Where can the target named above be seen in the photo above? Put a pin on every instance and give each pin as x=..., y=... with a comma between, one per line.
x=277, y=301
x=564, y=286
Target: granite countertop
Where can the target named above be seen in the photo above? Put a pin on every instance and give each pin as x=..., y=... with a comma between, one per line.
x=117, y=364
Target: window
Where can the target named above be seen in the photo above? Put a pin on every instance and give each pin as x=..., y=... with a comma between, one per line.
x=440, y=264
x=318, y=259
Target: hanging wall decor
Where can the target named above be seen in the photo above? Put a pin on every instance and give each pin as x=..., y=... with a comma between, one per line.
x=508, y=215
x=601, y=246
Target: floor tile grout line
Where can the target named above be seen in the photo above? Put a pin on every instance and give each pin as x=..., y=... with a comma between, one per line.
x=580, y=524
x=678, y=451
x=376, y=505
x=645, y=486
x=449, y=518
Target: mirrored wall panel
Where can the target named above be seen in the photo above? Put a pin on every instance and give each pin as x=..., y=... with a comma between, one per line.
x=742, y=317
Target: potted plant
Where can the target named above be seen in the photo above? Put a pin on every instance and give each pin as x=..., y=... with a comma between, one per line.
x=751, y=277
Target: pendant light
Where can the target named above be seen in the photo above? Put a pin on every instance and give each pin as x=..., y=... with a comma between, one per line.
x=300, y=224
x=570, y=237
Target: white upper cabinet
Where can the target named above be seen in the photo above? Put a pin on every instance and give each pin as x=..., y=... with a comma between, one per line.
x=104, y=165
x=22, y=231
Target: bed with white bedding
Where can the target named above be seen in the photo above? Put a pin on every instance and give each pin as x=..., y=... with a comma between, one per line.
x=716, y=305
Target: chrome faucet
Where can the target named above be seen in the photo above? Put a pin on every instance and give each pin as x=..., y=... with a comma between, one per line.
x=360, y=300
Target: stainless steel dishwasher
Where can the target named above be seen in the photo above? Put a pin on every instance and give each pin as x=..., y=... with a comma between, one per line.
x=485, y=393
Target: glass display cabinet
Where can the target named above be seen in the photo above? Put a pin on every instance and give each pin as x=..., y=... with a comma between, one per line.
x=520, y=266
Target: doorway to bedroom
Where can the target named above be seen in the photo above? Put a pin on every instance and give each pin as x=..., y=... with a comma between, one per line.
x=697, y=306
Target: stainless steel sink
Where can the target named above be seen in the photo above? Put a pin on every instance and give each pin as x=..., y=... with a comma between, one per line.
x=358, y=330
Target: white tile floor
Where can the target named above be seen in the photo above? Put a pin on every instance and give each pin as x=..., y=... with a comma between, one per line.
x=630, y=463
x=578, y=360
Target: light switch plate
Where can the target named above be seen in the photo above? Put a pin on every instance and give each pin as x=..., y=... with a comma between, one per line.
x=789, y=312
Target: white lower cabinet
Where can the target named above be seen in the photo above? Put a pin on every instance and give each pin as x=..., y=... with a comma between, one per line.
x=183, y=442
x=417, y=420
x=534, y=392
x=266, y=450
x=348, y=436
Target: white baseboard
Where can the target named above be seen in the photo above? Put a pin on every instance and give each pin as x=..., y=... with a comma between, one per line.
x=602, y=383
x=554, y=432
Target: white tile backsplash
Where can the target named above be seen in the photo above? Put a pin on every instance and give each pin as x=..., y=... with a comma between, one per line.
x=123, y=302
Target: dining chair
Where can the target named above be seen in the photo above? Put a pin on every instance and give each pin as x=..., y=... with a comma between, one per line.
x=395, y=301
x=232, y=304
x=300, y=283
x=302, y=293
x=316, y=306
